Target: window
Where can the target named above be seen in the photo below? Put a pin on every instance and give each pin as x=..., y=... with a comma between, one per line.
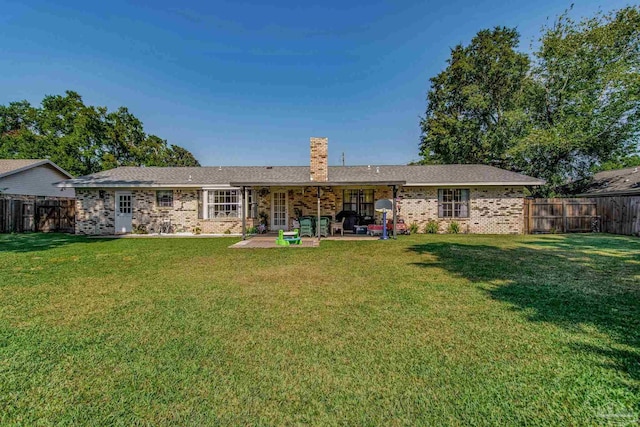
x=453, y=203
x=164, y=198
x=359, y=201
x=223, y=203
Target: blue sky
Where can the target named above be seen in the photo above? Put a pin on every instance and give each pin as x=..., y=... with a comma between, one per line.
x=245, y=83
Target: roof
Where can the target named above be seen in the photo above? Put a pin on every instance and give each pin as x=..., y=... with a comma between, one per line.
x=13, y=166
x=615, y=182
x=418, y=175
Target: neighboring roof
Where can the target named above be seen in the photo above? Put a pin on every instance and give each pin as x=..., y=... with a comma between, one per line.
x=13, y=166
x=419, y=175
x=615, y=182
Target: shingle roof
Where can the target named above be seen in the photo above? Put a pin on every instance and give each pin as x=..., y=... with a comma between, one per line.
x=11, y=166
x=299, y=175
x=620, y=181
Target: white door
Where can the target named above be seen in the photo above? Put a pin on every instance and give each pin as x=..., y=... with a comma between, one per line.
x=123, y=212
x=279, y=210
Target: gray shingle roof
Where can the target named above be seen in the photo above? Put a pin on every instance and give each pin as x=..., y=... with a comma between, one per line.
x=620, y=181
x=299, y=175
x=11, y=166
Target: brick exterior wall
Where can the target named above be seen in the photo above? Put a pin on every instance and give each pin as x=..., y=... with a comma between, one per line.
x=319, y=167
x=493, y=210
x=95, y=215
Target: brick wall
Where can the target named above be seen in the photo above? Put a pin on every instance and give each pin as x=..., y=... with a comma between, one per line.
x=495, y=210
x=492, y=210
x=95, y=215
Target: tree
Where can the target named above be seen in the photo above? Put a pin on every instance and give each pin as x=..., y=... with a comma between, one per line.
x=584, y=105
x=475, y=106
x=83, y=139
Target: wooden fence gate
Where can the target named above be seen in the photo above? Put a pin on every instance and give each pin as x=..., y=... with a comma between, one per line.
x=561, y=215
x=28, y=214
x=608, y=214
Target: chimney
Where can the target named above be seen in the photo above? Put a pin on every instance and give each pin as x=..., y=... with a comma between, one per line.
x=319, y=157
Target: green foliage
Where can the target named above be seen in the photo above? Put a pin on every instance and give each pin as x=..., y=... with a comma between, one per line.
x=584, y=105
x=413, y=228
x=475, y=106
x=453, y=228
x=83, y=139
x=620, y=163
x=432, y=227
x=252, y=230
x=139, y=229
x=559, y=117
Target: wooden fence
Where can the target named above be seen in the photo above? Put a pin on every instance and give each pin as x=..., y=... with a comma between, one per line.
x=617, y=215
x=28, y=214
x=560, y=215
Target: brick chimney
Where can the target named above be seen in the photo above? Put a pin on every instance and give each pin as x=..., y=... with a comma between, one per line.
x=319, y=158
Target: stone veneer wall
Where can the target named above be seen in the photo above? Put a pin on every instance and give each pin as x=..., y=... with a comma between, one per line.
x=492, y=210
x=96, y=215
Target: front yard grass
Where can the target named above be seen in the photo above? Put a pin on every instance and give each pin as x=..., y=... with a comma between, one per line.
x=428, y=329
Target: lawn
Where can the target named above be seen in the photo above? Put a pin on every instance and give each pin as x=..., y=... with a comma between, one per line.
x=425, y=330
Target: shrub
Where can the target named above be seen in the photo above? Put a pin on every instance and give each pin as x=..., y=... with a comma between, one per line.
x=454, y=227
x=413, y=228
x=139, y=229
x=197, y=230
x=252, y=230
x=227, y=231
x=431, y=227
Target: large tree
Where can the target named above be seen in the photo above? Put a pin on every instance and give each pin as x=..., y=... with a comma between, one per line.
x=584, y=106
x=83, y=139
x=475, y=106
x=573, y=109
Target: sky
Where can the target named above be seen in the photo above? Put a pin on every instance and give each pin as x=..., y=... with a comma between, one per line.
x=247, y=83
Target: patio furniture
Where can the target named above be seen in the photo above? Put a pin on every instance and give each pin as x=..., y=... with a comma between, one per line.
x=360, y=229
x=324, y=226
x=337, y=226
x=280, y=240
x=292, y=237
x=306, y=226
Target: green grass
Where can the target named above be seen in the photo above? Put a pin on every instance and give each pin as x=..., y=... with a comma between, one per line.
x=428, y=329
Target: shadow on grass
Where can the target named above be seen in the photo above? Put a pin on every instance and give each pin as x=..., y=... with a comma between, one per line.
x=35, y=242
x=573, y=282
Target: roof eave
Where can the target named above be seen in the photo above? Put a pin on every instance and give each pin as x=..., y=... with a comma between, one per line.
x=34, y=165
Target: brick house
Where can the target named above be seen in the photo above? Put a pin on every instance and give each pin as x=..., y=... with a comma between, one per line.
x=230, y=200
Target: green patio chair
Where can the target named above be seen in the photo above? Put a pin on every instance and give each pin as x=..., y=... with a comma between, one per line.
x=324, y=226
x=306, y=226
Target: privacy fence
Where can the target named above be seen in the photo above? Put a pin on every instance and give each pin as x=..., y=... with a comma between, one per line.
x=20, y=214
x=617, y=215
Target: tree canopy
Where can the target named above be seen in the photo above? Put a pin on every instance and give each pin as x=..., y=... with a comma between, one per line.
x=83, y=139
x=569, y=110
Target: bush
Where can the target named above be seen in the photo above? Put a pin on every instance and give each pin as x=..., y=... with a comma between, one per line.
x=139, y=229
x=252, y=230
x=431, y=227
x=413, y=228
x=454, y=227
x=197, y=230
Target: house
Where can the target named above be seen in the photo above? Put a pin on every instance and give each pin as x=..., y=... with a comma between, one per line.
x=482, y=199
x=33, y=177
x=619, y=182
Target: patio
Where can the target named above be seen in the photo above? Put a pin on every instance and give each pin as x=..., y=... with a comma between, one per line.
x=268, y=240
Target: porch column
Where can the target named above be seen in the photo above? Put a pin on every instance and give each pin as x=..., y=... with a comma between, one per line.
x=243, y=198
x=394, y=192
x=318, y=223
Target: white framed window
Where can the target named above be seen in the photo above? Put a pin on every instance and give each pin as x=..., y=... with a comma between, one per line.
x=453, y=203
x=251, y=206
x=223, y=203
x=164, y=198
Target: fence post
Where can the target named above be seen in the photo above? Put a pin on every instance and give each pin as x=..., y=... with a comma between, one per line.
x=564, y=216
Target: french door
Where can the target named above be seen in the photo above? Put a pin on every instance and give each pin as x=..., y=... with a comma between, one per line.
x=279, y=210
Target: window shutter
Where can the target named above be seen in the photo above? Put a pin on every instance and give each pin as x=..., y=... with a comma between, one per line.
x=440, y=207
x=200, y=209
